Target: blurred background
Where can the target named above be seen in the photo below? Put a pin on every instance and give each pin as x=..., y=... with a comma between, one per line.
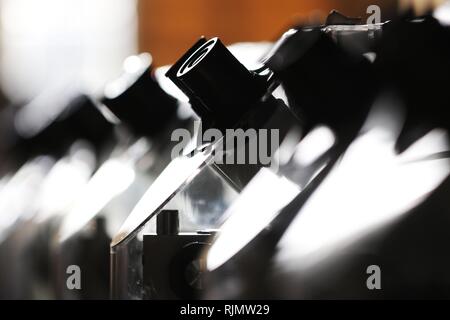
x=168, y=27
x=57, y=43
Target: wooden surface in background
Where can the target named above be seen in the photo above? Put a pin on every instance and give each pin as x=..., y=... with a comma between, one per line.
x=167, y=28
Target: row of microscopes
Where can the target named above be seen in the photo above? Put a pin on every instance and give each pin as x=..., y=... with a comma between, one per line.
x=339, y=187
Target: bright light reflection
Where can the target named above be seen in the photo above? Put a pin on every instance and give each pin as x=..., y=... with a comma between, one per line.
x=18, y=197
x=167, y=85
x=177, y=173
x=267, y=193
x=250, y=53
x=62, y=185
x=313, y=146
x=112, y=178
x=253, y=210
x=35, y=116
x=133, y=67
x=442, y=13
x=370, y=187
x=49, y=42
